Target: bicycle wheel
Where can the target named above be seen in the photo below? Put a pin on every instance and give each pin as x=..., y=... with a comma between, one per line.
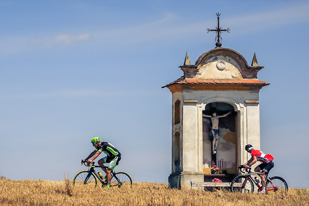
x=242, y=184
x=277, y=184
x=85, y=178
x=121, y=179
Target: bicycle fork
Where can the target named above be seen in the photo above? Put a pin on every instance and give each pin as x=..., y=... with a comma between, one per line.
x=88, y=176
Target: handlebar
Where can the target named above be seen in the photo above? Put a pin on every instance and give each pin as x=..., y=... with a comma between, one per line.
x=91, y=165
x=87, y=164
x=244, y=170
x=247, y=170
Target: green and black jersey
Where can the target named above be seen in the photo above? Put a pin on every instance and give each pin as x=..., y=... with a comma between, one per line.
x=109, y=150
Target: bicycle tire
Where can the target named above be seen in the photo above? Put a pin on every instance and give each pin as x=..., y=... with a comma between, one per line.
x=124, y=178
x=247, y=188
x=83, y=178
x=278, y=182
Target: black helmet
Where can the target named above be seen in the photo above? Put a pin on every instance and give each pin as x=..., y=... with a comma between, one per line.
x=248, y=147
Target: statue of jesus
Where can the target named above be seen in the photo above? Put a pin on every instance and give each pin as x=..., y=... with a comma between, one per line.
x=215, y=129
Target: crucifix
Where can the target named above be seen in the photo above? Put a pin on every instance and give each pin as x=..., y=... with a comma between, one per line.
x=214, y=133
x=218, y=30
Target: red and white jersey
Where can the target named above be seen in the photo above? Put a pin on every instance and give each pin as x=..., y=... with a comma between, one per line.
x=261, y=156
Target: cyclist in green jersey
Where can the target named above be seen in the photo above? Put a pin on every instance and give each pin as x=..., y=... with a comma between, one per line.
x=113, y=156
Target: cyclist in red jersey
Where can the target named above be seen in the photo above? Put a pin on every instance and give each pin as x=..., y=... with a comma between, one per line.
x=266, y=166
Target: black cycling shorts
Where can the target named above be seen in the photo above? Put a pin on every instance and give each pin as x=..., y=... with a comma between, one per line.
x=266, y=167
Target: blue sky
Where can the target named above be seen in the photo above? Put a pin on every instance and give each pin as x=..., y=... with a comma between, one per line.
x=71, y=70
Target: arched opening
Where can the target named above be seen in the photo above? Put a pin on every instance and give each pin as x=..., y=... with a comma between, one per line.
x=176, y=151
x=177, y=112
x=219, y=138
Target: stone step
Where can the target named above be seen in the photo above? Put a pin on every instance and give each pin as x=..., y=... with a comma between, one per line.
x=214, y=184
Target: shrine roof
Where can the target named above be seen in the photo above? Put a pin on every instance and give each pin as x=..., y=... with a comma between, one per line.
x=190, y=81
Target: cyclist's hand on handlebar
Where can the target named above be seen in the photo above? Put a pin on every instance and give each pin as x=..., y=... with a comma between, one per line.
x=247, y=166
x=89, y=161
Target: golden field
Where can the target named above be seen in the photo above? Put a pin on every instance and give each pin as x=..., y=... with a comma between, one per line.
x=44, y=192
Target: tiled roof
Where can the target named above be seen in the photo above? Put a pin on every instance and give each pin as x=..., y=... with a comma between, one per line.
x=183, y=80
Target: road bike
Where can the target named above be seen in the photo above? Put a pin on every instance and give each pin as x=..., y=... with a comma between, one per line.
x=91, y=178
x=245, y=183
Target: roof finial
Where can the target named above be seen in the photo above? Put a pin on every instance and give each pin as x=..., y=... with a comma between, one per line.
x=187, y=60
x=254, y=61
x=218, y=30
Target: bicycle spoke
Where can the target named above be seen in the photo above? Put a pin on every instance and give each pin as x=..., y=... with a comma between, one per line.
x=84, y=179
x=121, y=179
x=242, y=184
x=277, y=184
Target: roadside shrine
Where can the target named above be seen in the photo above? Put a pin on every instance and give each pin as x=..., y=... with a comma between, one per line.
x=216, y=112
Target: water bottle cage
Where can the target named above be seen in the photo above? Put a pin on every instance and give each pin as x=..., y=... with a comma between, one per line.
x=100, y=175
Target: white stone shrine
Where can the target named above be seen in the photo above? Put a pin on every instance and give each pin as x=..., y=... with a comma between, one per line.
x=216, y=112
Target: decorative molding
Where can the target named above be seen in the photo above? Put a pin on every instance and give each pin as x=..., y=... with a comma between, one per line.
x=174, y=88
x=190, y=101
x=252, y=101
x=221, y=65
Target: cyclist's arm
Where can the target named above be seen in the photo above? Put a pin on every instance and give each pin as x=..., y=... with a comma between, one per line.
x=97, y=153
x=251, y=161
x=91, y=154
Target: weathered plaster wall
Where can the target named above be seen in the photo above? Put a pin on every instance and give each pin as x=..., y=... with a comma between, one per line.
x=177, y=128
x=229, y=96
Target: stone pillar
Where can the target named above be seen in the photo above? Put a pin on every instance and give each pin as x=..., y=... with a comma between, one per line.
x=191, y=148
x=253, y=125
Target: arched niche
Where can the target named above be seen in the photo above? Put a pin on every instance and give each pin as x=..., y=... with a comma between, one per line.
x=220, y=137
x=176, y=151
x=177, y=112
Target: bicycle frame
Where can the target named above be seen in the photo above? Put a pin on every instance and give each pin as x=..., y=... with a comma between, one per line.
x=248, y=176
x=92, y=171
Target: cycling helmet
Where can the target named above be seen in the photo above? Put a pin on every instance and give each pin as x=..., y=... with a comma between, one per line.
x=248, y=147
x=95, y=140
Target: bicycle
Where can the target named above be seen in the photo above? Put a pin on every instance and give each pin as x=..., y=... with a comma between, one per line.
x=244, y=183
x=91, y=178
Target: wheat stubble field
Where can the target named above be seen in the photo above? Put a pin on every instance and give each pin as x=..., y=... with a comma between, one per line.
x=44, y=192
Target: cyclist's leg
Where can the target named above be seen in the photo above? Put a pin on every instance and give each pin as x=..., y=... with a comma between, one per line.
x=265, y=169
x=268, y=167
x=258, y=169
x=112, y=164
x=101, y=163
x=262, y=176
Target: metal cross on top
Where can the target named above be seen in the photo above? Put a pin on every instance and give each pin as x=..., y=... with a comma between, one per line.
x=218, y=30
